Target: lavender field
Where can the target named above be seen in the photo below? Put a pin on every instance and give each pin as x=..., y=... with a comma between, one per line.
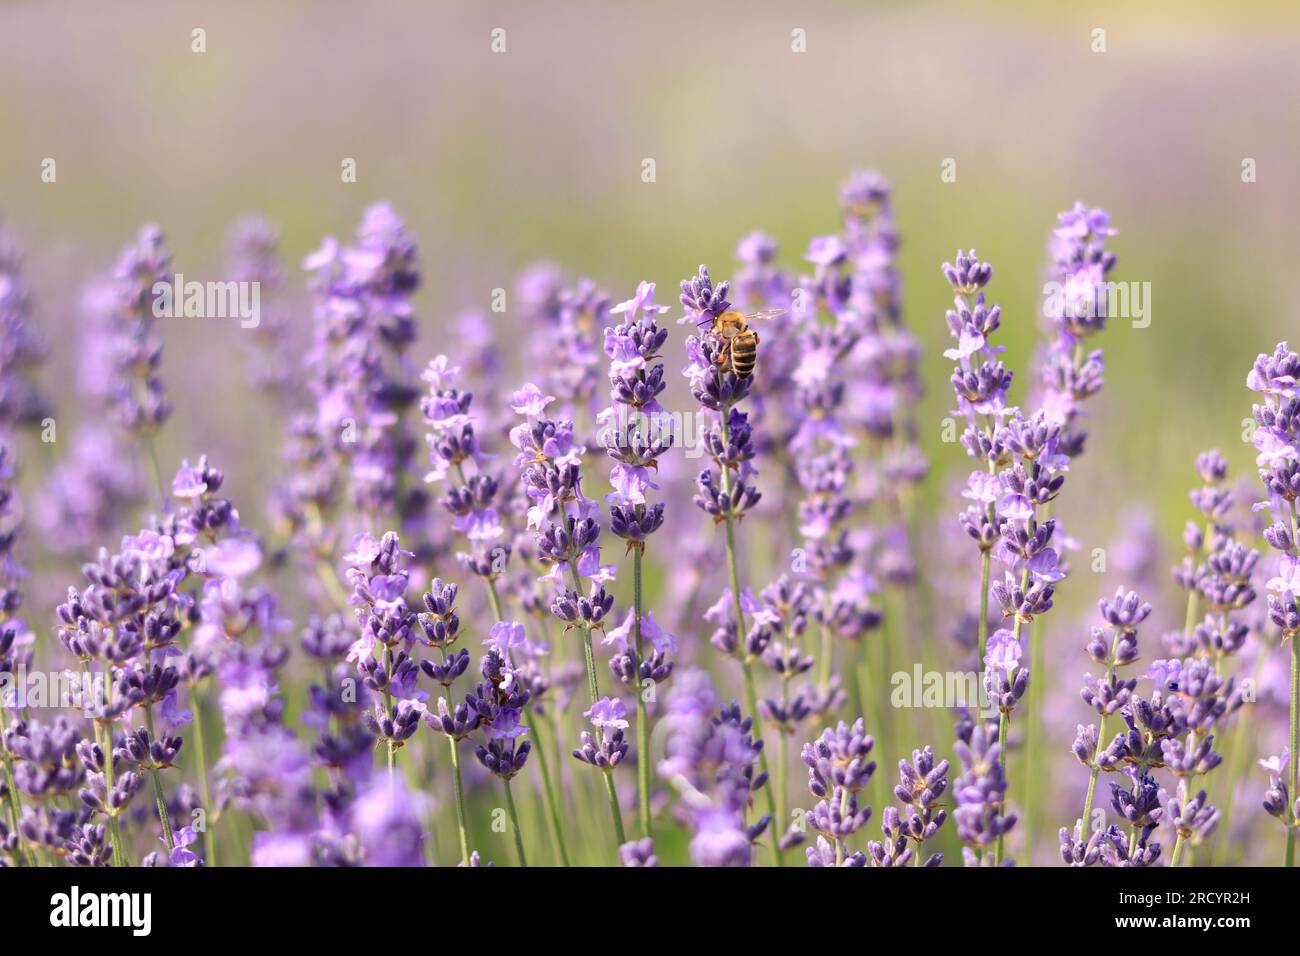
x=506, y=437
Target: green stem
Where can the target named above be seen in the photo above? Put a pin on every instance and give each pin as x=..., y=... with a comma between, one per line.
x=106, y=745
x=1032, y=735
x=985, y=559
x=1033, y=727
x=495, y=598
x=152, y=454
x=330, y=581
x=159, y=796
x=461, y=830
x=751, y=702
x=824, y=659
x=877, y=648
x=783, y=759
x=388, y=709
x=552, y=804
x=552, y=808
x=15, y=800
x=1238, y=753
x=1178, y=850
x=1004, y=719
x=1085, y=824
x=593, y=689
x=588, y=657
x=642, y=715
x=1294, y=765
x=514, y=824
x=162, y=808
x=733, y=571
x=209, y=825
x=1295, y=746
x=611, y=792
x=1189, y=619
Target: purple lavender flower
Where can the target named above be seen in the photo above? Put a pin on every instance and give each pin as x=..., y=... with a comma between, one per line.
x=1192, y=817
x=635, y=437
x=472, y=500
x=570, y=320
x=364, y=325
x=566, y=537
x=1075, y=307
x=22, y=349
x=711, y=757
x=253, y=256
x=838, y=769
x=606, y=750
x=136, y=390
x=385, y=819
x=923, y=782
x=727, y=489
x=1277, y=440
x=1277, y=802
x=980, y=815
x=1114, y=645
x=638, y=853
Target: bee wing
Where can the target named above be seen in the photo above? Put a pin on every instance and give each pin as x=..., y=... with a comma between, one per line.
x=765, y=314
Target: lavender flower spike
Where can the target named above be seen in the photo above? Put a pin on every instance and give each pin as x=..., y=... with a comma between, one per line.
x=980, y=815
x=1277, y=440
x=635, y=439
x=838, y=769
x=726, y=490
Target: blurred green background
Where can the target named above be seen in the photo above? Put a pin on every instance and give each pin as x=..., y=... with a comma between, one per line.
x=498, y=159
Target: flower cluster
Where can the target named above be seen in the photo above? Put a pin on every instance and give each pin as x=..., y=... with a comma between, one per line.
x=1113, y=645
x=454, y=444
x=922, y=784
x=379, y=578
x=1277, y=441
x=1076, y=309
x=22, y=349
x=224, y=696
x=980, y=816
x=134, y=386
x=634, y=433
x=711, y=758
x=253, y=256
x=839, y=769
x=356, y=433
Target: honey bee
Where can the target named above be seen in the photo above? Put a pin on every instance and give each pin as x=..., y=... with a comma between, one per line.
x=739, y=342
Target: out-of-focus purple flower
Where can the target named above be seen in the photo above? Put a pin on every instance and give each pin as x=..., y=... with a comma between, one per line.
x=711, y=758
x=638, y=853
x=385, y=819
x=253, y=256
x=142, y=290
x=22, y=349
